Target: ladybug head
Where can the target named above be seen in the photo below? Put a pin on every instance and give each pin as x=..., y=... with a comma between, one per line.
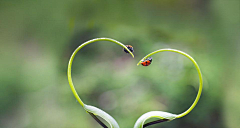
x=150, y=59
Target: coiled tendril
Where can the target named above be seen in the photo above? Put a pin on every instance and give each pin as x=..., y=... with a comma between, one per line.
x=93, y=111
x=165, y=116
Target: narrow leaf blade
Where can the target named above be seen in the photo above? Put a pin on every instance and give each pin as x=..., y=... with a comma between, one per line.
x=154, y=114
x=96, y=111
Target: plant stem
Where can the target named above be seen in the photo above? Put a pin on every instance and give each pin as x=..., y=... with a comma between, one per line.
x=73, y=55
x=199, y=74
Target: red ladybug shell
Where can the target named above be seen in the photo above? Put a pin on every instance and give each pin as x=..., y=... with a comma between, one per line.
x=147, y=62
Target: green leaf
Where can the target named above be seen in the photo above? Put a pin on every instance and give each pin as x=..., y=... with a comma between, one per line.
x=154, y=114
x=96, y=111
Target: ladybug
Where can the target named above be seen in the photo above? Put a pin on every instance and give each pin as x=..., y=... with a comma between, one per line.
x=130, y=47
x=147, y=61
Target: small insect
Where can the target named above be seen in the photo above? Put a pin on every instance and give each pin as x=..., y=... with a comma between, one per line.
x=130, y=47
x=147, y=61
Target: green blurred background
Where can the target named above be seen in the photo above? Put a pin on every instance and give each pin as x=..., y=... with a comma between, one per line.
x=37, y=38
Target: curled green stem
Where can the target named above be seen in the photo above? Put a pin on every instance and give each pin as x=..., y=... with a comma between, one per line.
x=199, y=74
x=73, y=55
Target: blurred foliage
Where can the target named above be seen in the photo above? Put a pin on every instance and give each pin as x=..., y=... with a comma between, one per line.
x=38, y=37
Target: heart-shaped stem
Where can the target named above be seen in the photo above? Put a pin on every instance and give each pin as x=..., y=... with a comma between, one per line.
x=73, y=55
x=199, y=74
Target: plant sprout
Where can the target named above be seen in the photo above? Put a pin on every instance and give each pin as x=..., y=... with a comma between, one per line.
x=93, y=111
x=163, y=116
